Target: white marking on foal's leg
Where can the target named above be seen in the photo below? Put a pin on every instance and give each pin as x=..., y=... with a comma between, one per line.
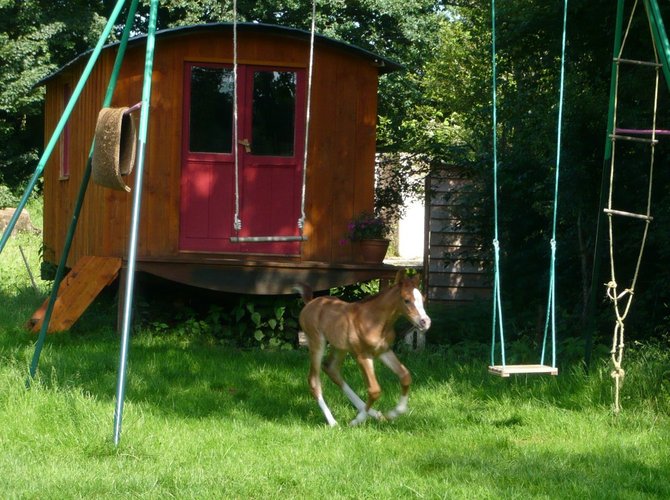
x=400, y=409
x=391, y=360
x=359, y=403
x=353, y=397
x=326, y=411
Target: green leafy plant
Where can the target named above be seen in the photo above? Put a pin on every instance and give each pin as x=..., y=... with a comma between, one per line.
x=7, y=198
x=268, y=323
x=357, y=291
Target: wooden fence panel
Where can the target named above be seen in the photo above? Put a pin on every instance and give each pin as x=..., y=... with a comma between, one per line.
x=451, y=278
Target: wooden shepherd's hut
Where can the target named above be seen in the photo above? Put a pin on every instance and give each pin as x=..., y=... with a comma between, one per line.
x=191, y=196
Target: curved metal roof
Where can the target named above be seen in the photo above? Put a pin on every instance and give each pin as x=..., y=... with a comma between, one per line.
x=385, y=65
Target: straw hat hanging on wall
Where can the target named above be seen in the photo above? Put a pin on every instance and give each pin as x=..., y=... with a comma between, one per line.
x=115, y=146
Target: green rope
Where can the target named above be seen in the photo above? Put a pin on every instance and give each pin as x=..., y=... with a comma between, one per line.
x=497, y=301
x=550, y=324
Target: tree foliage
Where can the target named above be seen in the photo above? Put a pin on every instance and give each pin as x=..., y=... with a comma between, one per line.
x=36, y=37
x=436, y=111
x=528, y=64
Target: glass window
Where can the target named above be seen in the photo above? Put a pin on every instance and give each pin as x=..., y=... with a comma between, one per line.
x=211, y=118
x=273, y=113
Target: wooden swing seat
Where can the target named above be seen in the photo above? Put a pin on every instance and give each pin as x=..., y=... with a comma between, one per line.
x=507, y=370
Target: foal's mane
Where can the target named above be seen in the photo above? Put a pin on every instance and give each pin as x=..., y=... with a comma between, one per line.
x=379, y=294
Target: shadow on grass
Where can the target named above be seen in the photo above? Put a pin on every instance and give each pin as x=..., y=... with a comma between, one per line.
x=191, y=377
x=18, y=306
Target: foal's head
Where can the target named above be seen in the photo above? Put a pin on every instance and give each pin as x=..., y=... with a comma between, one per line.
x=412, y=301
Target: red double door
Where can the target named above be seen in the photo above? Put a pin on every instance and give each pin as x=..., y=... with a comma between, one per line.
x=266, y=192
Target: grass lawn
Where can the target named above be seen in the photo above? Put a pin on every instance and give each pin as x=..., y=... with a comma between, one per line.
x=206, y=421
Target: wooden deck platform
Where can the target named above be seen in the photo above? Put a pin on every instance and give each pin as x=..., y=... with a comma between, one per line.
x=260, y=276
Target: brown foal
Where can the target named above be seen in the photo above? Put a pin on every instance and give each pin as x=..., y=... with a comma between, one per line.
x=364, y=329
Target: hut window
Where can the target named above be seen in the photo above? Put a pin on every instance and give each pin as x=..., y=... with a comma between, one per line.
x=211, y=110
x=65, y=137
x=273, y=119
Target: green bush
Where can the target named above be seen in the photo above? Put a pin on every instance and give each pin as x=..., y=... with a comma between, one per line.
x=357, y=291
x=7, y=198
x=268, y=323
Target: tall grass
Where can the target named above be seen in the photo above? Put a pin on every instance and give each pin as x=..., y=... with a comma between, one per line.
x=207, y=421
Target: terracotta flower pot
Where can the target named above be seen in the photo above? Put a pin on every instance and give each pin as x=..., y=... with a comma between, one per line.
x=373, y=251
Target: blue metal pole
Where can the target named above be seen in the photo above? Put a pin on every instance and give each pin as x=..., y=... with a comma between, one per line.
x=62, y=122
x=135, y=219
x=60, y=272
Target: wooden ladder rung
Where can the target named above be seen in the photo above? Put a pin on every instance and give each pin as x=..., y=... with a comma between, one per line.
x=634, y=139
x=610, y=211
x=653, y=64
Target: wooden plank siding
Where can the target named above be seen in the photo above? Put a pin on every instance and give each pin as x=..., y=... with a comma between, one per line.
x=340, y=175
x=451, y=279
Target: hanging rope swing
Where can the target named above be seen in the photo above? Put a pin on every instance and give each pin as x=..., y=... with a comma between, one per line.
x=503, y=369
x=237, y=220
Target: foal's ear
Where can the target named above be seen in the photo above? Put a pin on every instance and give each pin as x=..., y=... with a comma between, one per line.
x=400, y=275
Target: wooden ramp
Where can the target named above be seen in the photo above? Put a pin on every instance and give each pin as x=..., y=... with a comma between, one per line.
x=76, y=292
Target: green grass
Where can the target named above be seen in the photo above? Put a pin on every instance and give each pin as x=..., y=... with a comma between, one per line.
x=206, y=421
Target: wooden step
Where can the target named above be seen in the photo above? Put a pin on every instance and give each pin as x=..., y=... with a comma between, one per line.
x=77, y=291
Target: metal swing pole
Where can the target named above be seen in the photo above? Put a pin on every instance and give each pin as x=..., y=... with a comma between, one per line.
x=135, y=218
x=60, y=272
x=62, y=122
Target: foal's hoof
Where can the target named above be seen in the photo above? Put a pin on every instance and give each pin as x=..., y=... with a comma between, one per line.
x=377, y=415
x=395, y=413
x=360, y=418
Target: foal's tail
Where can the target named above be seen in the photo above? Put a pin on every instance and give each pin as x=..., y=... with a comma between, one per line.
x=305, y=291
